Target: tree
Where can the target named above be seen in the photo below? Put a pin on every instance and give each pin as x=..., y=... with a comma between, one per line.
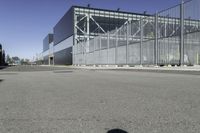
x=16, y=60
x=8, y=59
x=24, y=62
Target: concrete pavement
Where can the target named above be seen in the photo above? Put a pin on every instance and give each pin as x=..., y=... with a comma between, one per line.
x=52, y=100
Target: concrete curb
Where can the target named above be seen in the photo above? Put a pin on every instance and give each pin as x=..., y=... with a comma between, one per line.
x=142, y=68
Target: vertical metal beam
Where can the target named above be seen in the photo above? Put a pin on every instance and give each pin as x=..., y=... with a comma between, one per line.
x=100, y=51
x=127, y=42
x=94, y=57
x=165, y=35
x=141, y=40
x=74, y=41
x=108, y=46
x=82, y=48
x=156, y=40
x=182, y=33
x=88, y=38
x=88, y=27
x=116, y=47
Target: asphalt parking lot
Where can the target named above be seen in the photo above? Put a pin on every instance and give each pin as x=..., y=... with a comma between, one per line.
x=66, y=100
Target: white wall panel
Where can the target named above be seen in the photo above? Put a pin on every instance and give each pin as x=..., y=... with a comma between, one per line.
x=46, y=53
x=64, y=44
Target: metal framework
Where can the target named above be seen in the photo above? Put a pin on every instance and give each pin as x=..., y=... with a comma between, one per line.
x=170, y=37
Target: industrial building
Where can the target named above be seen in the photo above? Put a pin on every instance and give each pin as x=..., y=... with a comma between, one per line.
x=2, y=56
x=89, y=36
x=81, y=24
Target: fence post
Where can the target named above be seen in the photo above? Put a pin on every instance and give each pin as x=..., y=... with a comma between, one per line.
x=116, y=45
x=94, y=56
x=141, y=40
x=108, y=46
x=77, y=54
x=127, y=41
x=182, y=33
x=156, y=40
x=73, y=58
x=82, y=48
x=100, y=51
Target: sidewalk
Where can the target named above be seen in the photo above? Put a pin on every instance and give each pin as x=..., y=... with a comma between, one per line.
x=166, y=69
x=192, y=70
x=104, y=67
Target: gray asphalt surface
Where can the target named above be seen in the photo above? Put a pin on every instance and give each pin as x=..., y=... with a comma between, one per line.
x=66, y=100
x=32, y=68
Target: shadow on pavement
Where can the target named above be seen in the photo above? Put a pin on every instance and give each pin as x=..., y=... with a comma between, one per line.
x=8, y=73
x=4, y=67
x=34, y=68
x=117, y=131
x=63, y=71
x=1, y=80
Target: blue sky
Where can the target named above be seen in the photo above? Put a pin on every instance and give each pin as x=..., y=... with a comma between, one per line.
x=24, y=23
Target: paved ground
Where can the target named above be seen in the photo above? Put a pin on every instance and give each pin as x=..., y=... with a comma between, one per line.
x=33, y=68
x=63, y=100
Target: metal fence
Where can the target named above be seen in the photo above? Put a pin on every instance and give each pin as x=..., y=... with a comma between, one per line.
x=170, y=37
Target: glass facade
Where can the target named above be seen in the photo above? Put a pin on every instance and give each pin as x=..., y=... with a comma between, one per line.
x=64, y=28
x=47, y=40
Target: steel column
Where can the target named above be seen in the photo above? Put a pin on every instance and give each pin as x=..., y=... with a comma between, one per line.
x=116, y=49
x=156, y=40
x=108, y=46
x=100, y=51
x=141, y=40
x=182, y=33
x=127, y=41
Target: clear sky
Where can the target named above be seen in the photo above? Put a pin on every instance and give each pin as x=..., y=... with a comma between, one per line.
x=24, y=23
